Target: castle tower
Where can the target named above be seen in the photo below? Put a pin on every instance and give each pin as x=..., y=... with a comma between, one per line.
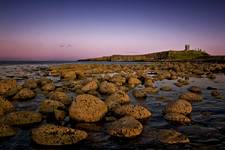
x=187, y=47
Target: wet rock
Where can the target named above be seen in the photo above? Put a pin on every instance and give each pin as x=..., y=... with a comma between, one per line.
x=136, y=111
x=117, y=98
x=24, y=94
x=149, y=83
x=118, y=79
x=215, y=93
x=68, y=75
x=57, y=135
x=191, y=97
x=151, y=90
x=179, y=106
x=48, y=106
x=211, y=76
x=172, y=137
x=30, y=84
x=211, y=88
x=48, y=87
x=88, y=127
x=61, y=97
x=6, y=131
x=6, y=106
x=177, y=118
x=59, y=114
x=125, y=127
x=90, y=86
x=166, y=88
x=44, y=81
x=107, y=88
x=139, y=93
x=132, y=82
x=87, y=108
x=22, y=118
x=8, y=88
x=195, y=89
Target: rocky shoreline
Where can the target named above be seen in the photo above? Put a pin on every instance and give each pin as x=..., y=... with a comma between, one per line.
x=73, y=102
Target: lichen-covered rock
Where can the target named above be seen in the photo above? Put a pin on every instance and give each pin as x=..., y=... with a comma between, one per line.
x=6, y=106
x=107, y=88
x=179, y=106
x=48, y=87
x=6, y=131
x=57, y=135
x=59, y=114
x=44, y=81
x=195, y=89
x=68, y=75
x=118, y=79
x=149, y=83
x=90, y=86
x=24, y=94
x=190, y=96
x=125, y=127
x=166, y=88
x=139, y=93
x=48, y=106
x=87, y=108
x=132, y=82
x=136, y=111
x=177, y=118
x=61, y=97
x=22, y=118
x=151, y=90
x=8, y=88
x=172, y=137
x=31, y=84
x=117, y=98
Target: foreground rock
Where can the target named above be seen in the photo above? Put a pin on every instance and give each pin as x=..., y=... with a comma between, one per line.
x=24, y=94
x=177, y=118
x=107, y=88
x=133, y=82
x=48, y=87
x=6, y=106
x=57, y=135
x=8, y=88
x=68, y=75
x=116, y=99
x=191, y=97
x=22, y=118
x=179, y=106
x=87, y=108
x=48, y=106
x=172, y=137
x=125, y=127
x=31, y=84
x=6, y=131
x=139, y=93
x=136, y=111
x=61, y=97
x=90, y=86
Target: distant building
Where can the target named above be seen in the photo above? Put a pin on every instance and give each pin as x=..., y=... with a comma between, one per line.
x=187, y=47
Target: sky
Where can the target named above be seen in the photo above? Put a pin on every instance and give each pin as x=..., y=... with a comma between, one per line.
x=75, y=29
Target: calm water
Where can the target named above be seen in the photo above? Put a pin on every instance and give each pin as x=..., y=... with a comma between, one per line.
x=207, y=130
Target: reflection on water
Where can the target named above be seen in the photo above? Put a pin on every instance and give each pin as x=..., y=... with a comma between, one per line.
x=207, y=130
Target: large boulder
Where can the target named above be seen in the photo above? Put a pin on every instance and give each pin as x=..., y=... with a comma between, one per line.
x=61, y=97
x=90, y=86
x=6, y=131
x=87, y=108
x=117, y=98
x=136, y=111
x=31, y=84
x=107, y=88
x=57, y=135
x=24, y=94
x=22, y=118
x=191, y=97
x=172, y=137
x=125, y=127
x=179, y=106
x=8, y=88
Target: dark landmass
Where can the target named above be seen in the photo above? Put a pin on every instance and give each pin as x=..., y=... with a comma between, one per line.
x=183, y=55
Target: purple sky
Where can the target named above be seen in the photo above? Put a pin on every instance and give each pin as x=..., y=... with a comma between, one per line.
x=69, y=30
